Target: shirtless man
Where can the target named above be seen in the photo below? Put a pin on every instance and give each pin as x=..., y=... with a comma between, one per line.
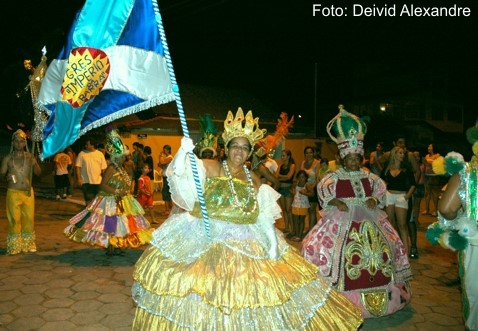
x=17, y=168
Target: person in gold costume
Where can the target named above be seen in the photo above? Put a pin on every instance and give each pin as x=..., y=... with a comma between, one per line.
x=18, y=167
x=114, y=218
x=243, y=276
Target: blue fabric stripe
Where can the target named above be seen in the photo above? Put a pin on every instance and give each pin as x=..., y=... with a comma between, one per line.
x=141, y=30
x=65, y=126
x=102, y=106
x=101, y=23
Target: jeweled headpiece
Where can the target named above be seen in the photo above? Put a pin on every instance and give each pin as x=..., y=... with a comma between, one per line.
x=208, y=134
x=233, y=128
x=347, y=131
x=114, y=146
x=21, y=134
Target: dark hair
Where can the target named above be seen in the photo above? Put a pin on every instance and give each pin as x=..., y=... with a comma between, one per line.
x=147, y=149
x=90, y=139
x=167, y=147
x=324, y=160
x=300, y=172
x=289, y=154
x=309, y=147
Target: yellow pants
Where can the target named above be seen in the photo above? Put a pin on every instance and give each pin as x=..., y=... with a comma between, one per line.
x=20, y=214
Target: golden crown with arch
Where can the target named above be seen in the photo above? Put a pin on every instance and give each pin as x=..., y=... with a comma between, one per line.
x=233, y=128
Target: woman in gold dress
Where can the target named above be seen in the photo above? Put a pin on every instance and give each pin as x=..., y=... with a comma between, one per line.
x=244, y=276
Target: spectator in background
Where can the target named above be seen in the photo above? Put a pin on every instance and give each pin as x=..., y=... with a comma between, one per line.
x=145, y=192
x=374, y=161
x=400, y=187
x=411, y=164
x=62, y=182
x=418, y=195
x=90, y=164
x=324, y=168
x=311, y=166
x=285, y=173
x=71, y=170
x=138, y=159
x=165, y=159
x=300, y=205
x=148, y=159
x=432, y=182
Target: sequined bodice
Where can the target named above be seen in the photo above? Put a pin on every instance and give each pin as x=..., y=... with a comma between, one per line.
x=117, y=181
x=220, y=202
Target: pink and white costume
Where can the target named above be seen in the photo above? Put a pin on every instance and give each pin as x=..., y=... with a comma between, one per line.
x=359, y=251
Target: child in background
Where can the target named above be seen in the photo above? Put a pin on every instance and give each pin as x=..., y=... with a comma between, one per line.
x=300, y=205
x=145, y=192
x=62, y=181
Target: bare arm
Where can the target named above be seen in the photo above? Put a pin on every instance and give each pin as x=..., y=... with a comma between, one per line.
x=450, y=203
x=35, y=166
x=109, y=172
x=264, y=172
x=4, y=168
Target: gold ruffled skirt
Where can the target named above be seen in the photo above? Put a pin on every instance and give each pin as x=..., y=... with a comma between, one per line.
x=226, y=290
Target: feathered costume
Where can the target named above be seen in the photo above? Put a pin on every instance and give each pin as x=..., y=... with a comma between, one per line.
x=461, y=233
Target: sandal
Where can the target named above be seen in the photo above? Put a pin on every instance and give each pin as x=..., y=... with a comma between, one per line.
x=414, y=253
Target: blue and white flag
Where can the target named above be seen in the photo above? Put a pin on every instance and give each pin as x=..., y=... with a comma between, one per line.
x=113, y=65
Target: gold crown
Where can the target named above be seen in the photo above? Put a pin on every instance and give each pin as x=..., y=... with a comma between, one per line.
x=233, y=128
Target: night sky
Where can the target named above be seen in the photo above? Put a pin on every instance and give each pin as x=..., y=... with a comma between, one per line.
x=277, y=50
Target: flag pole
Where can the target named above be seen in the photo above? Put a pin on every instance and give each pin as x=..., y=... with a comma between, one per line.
x=182, y=118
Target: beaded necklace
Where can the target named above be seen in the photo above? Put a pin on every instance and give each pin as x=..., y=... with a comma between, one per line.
x=123, y=174
x=250, y=189
x=20, y=168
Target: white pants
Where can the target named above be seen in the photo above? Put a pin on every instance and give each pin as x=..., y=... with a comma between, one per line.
x=469, y=258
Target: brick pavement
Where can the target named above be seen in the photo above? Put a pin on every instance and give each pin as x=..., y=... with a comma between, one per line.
x=69, y=286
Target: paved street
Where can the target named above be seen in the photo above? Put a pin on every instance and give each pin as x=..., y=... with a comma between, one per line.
x=69, y=286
